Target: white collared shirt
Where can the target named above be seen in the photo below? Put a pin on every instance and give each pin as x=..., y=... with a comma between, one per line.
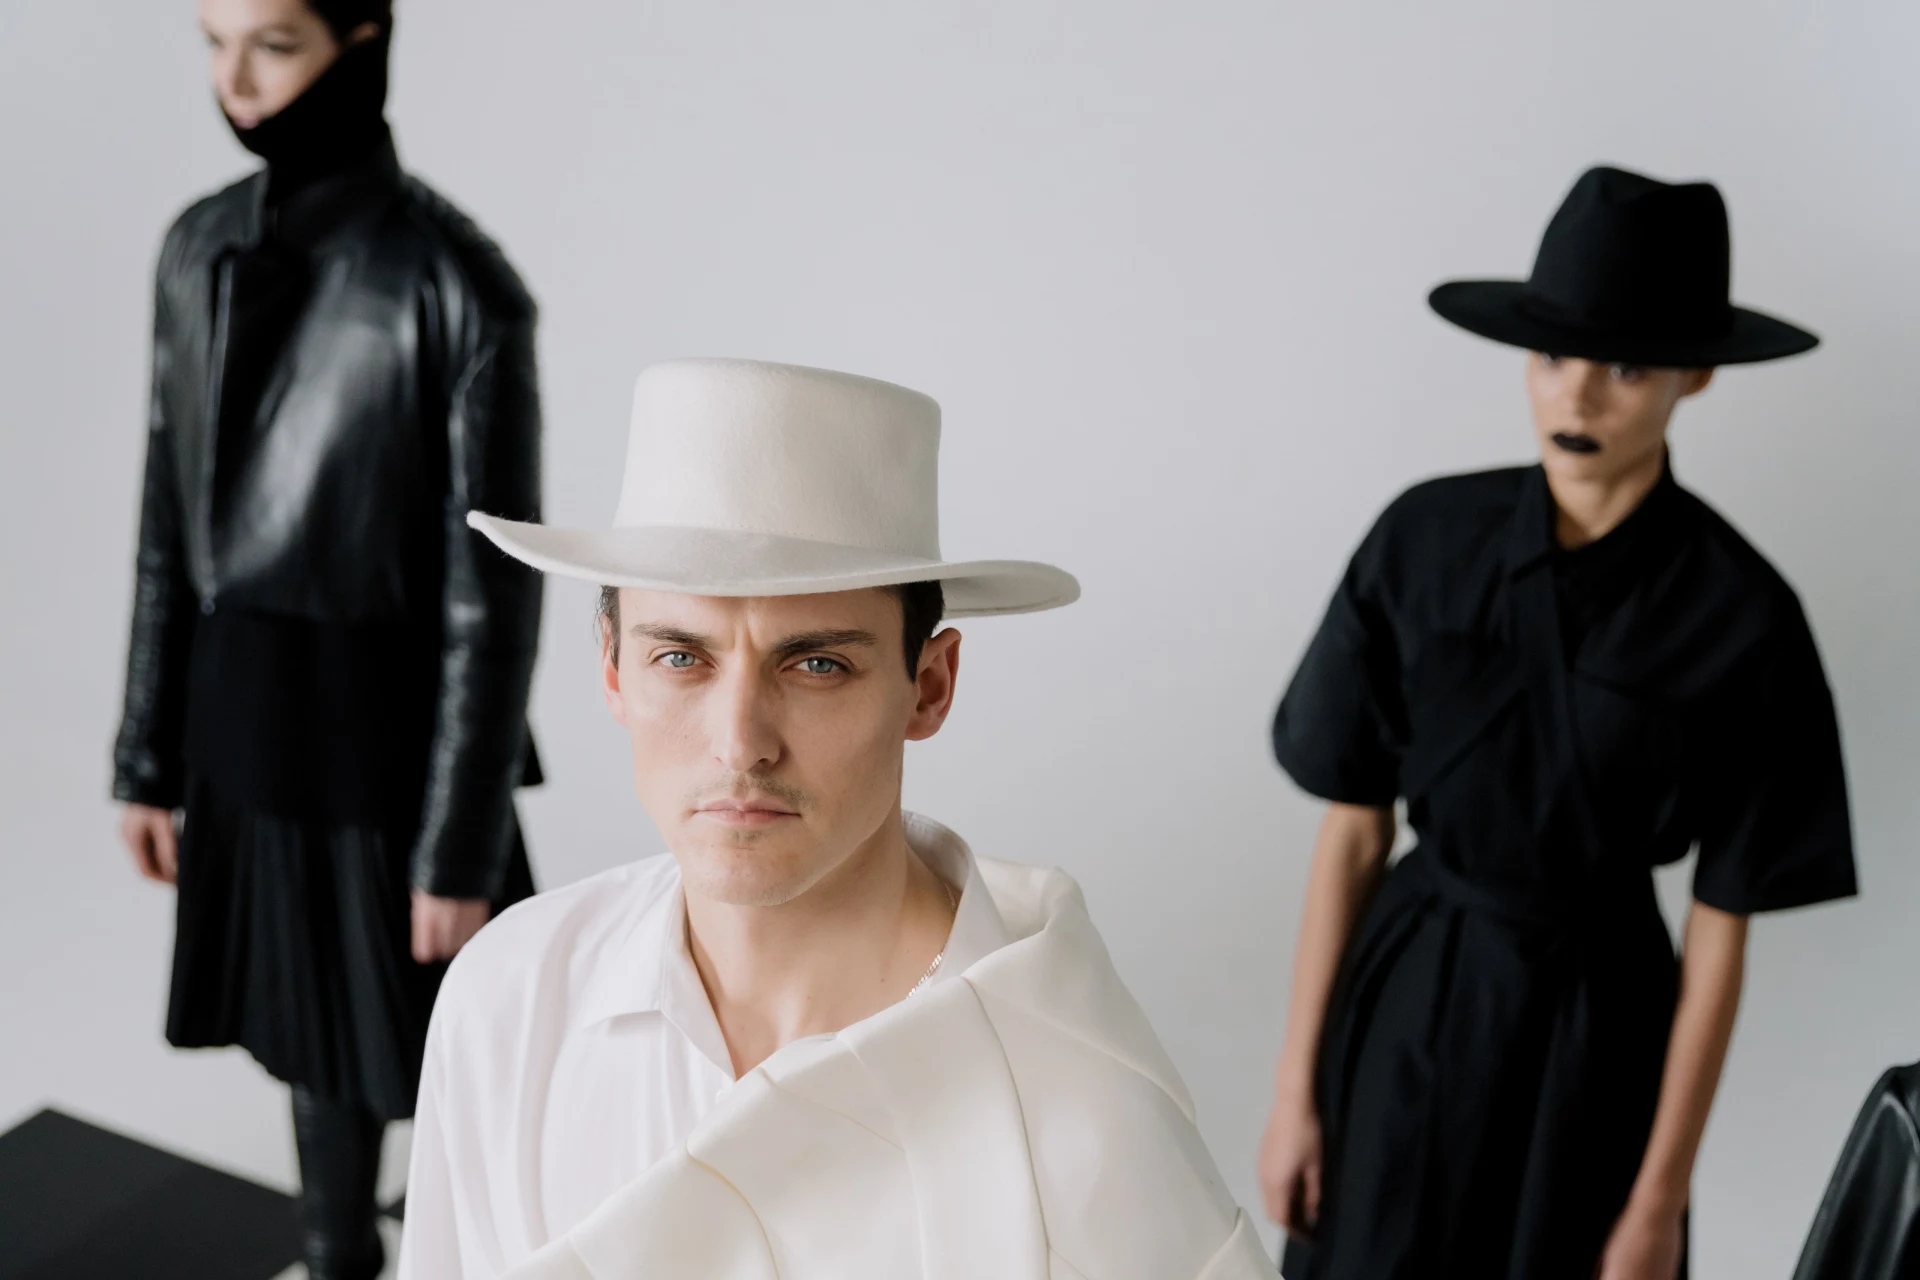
x=573, y=1046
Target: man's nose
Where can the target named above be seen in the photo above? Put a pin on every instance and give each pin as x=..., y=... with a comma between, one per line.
x=744, y=733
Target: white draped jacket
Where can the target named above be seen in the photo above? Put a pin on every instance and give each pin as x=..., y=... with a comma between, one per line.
x=1023, y=1123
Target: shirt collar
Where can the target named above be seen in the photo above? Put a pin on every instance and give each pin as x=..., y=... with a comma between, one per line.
x=649, y=967
x=1532, y=538
x=978, y=927
x=626, y=974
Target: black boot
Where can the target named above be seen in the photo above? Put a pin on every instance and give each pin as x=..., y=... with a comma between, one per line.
x=339, y=1163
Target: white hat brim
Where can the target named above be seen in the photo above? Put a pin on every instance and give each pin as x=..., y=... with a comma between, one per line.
x=725, y=562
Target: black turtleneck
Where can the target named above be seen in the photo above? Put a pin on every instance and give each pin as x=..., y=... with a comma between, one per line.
x=313, y=147
x=296, y=717
x=336, y=124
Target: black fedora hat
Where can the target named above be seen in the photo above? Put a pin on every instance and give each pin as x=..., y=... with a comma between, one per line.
x=1631, y=270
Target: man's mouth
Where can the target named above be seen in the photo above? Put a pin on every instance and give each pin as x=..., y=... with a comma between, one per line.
x=1573, y=442
x=745, y=813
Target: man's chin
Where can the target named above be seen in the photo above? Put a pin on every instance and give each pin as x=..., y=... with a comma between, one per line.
x=743, y=873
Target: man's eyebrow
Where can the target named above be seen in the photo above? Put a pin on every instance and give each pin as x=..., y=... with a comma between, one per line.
x=670, y=635
x=803, y=642
x=807, y=641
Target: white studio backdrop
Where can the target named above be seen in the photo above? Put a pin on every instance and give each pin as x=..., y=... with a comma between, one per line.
x=1164, y=266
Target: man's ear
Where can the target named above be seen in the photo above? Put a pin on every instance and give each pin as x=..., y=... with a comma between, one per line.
x=361, y=34
x=1696, y=382
x=934, y=685
x=610, y=671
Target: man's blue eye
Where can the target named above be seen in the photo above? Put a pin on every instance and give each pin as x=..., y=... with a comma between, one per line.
x=678, y=661
x=819, y=666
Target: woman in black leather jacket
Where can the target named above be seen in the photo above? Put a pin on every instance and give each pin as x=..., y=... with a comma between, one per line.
x=328, y=674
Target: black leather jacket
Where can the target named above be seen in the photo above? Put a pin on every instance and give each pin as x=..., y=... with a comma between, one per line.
x=404, y=396
x=1868, y=1226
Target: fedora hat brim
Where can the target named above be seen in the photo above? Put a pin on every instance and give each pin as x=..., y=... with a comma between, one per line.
x=1494, y=309
x=726, y=562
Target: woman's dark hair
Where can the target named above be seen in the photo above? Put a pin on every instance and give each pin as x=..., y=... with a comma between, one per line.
x=922, y=605
x=343, y=17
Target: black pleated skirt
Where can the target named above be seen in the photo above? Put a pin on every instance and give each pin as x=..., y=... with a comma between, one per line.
x=293, y=940
x=1486, y=1084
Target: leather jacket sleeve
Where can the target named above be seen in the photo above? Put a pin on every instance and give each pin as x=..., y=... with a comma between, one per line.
x=147, y=765
x=1868, y=1226
x=490, y=621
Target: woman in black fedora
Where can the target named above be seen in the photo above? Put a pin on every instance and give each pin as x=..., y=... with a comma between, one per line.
x=1571, y=673
x=328, y=672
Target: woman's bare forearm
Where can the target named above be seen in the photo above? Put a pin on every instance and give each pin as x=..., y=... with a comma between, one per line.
x=1348, y=856
x=1712, y=971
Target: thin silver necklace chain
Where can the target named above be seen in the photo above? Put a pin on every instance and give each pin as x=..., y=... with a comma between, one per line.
x=953, y=905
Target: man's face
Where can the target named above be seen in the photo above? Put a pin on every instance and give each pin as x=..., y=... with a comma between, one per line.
x=1598, y=422
x=768, y=732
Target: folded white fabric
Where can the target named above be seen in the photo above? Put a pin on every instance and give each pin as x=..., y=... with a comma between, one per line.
x=1022, y=1124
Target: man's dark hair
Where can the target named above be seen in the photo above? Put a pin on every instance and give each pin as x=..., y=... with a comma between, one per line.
x=922, y=605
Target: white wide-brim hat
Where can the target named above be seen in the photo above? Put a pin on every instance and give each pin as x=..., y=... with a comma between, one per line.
x=753, y=479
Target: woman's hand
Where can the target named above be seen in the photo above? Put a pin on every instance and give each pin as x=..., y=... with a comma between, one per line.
x=441, y=926
x=149, y=835
x=1289, y=1170
x=1645, y=1245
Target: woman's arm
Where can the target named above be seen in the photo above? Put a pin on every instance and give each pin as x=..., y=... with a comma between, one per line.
x=1646, y=1243
x=148, y=772
x=1348, y=857
x=490, y=625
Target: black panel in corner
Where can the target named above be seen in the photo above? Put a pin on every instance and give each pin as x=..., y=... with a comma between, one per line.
x=78, y=1202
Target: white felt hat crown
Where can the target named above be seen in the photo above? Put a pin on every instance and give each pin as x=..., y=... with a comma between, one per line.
x=753, y=479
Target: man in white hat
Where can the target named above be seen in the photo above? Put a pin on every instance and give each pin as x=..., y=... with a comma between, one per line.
x=821, y=1039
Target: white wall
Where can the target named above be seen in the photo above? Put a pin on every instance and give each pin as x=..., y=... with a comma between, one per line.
x=1164, y=267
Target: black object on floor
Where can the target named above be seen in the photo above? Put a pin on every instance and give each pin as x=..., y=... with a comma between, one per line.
x=78, y=1202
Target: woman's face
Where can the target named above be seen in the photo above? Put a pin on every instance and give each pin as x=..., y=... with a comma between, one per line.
x=1601, y=422
x=265, y=54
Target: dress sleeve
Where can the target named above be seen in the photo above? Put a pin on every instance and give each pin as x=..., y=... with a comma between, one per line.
x=1341, y=729
x=1772, y=789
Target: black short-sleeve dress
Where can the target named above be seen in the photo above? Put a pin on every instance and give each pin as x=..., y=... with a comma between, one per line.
x=1559, y=724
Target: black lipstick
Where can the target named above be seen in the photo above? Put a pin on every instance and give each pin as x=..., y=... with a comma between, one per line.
x=1573, y=443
